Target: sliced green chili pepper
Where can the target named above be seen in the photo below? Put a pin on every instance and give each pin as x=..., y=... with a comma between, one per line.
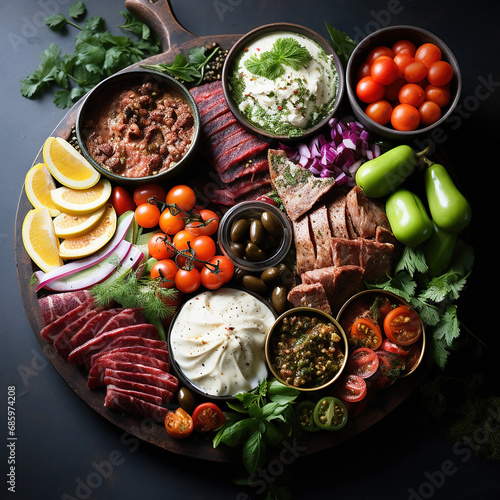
x=383, y=175
x=438, y=250
x=449, y=208
x=330, y=414
x=304, y=413
x=408, y=218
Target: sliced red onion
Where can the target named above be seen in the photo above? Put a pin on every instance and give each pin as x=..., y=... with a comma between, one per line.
x=80, y=265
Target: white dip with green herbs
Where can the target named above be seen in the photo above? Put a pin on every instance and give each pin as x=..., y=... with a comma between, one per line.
x=284, y=83
x=218, y=338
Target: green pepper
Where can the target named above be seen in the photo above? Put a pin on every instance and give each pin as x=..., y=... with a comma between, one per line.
x=438, y=250
x=448, y=206
x=304, y=413
x=408, y=218
x=330, y=414
x=383, y=175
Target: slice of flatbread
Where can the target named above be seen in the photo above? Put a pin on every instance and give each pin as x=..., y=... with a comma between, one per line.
x=297, y=187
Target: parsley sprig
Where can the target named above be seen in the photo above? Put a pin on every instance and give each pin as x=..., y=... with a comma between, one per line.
x=98, y=54
x=285, y=51
x=434, y=299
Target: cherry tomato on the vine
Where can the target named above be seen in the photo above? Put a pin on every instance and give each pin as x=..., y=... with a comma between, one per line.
x=172, y=224
x=182, y=196
x=225, y=268
x=207, y=222
x=188, y=280
x=147, y=215
x=157, y=247
x=204, y=247
x=122, y=200
x=143, y=193
x=166, y=269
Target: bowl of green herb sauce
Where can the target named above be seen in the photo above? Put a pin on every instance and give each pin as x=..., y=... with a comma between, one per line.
x=283, y=81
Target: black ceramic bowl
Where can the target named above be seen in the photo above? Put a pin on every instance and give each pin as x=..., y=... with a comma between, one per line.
x=97, y=98
x=268, y=29
x=388, y=36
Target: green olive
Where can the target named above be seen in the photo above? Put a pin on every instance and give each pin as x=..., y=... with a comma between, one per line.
x=238, y=249
x=270, y=275
x=278, y=299
x=254, y=284
x=257, y=232
x=239, y=230
x=271, y=223
x=254, y=253
x=186, y=399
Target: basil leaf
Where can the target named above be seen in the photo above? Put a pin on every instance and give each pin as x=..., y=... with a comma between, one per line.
x=233, y=435
x=254, y=452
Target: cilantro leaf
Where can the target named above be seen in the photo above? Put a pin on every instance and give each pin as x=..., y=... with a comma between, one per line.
x=56, y=22
x=77, y=9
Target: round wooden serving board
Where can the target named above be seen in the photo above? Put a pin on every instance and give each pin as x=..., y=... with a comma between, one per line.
x=158, y=15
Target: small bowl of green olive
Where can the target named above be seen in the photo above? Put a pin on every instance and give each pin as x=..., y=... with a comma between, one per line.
x=307, y=349
x=255, y=235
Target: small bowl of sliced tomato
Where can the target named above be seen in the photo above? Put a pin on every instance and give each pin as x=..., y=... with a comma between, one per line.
x=386, y=337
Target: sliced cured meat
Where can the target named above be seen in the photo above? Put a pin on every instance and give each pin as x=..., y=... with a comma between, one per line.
x=236, y=155
x=254, y=164
x=62, y=342
x=53, y=329
x=117, y=400
x=347, y=281
x=304, y=247
x=346, y=252
x=160, y=379
x=159, y=353
x=82, y=354
x=93, y=326
x=218, y=124
x=309, y=295
x=202, y=92
x=320, y=229
x=236, y=140
x=150, y=398
x=384, y=235
x=219, y=109
x=324, y=276
x=165, y=395
x=204, y=106
x=365, y=214
x=56, y=305
x=376, y=259
x=124, y=361
x=124, y=317
x=336, y=208
x=251, y=183
x=297, y=187
x=208, y=144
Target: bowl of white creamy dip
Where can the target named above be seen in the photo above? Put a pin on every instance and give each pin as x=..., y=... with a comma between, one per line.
x=217, y=342
x=283, y=81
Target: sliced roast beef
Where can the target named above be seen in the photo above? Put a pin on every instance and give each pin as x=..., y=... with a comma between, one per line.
x=93, y=326
x=150, y=398
x=377, y=261
x=165, y=395
x=204, y=106
x=219, y=109
x=62, y=342
x=236, y=140
x=58, y=304
x=309, y=295
x=365, y=214
x=205, y=91
x=82, y=354
x=255, y=164
x=159, y=379
x=53, y=329
x=347, y=281
x=304, y=247
x=324, y=276
x=127, y=362
x=297, y=187
x=217, y=124
x=384, y=235
x=117, y=400
x=236, y=155
x=210, y=142
x=159, y=353
x=346, y=252
x=336, y=207
x=320, y=229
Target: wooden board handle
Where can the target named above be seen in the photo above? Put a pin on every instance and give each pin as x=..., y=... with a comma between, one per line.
x=158, y=15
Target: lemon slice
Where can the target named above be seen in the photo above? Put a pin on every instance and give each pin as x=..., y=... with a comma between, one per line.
x=38, y=184
x=81, y=201
x=67, y=165
x=40, y=240
x=83, y=246
x=72, y=226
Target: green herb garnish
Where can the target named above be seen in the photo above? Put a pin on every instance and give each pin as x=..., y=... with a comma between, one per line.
x=97, y=55
x=285, y=51
x=342, y=43
x=187, y=69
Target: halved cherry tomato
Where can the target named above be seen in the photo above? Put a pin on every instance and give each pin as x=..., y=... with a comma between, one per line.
x=330, y=414
x=207, y=222
x=402, y=326
x=352, y=388
x=363, y=362
x=122, y=200
x=179, y=424
x=207, y=417
x=304, y=413
x=365, y=333
x=389, y=369
x=384, y=307
x=413, y=356
x=157, y=247
x=389, y=346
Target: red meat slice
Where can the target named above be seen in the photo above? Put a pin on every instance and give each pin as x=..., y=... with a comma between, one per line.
x=209, y=143
x=165, y=395
x=53, y=329
x=93, y=326
x=206, y=90
x=129, y=362
x=159, y=353
x=309, y=295
x=150, y=398
x=376, y=259
x=320, y=230
x=56, y=305
x=254, y=164
x=238, y=154
x=204, y=106
x=218, y=124
x=127, y=316
x=62, y=342
x=159, y=379
x=117, y=400
x=346, y=252
x=236, y=140
x=82, y=354
x=219, y=109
